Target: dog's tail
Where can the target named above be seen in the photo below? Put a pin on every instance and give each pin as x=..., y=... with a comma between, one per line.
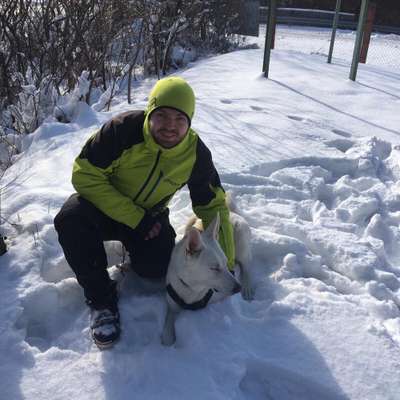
x=194, y=222
x=197, y=223
x=230, y=202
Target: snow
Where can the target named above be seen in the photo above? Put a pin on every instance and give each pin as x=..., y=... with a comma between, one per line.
x=312, y=160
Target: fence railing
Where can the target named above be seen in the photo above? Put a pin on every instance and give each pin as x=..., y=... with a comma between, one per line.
x=320, y=18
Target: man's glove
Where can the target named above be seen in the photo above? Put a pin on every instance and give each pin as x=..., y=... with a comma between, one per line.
x=147, y=225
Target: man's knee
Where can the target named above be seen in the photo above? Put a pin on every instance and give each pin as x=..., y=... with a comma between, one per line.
x=76, y=213
x=70, y=208
x=60, y=222
x=67, y=223
x=73, y=226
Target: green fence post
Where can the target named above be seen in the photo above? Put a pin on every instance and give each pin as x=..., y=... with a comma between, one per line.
x=359, y=38
x=334, y=27
x=269, y=36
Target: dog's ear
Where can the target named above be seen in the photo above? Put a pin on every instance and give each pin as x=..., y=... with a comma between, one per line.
x=213, y=229
x=194, y=244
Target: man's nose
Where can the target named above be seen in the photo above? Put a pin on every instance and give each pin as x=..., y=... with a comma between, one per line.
x=170, y=123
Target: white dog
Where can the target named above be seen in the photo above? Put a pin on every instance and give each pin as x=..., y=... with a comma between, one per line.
x=198, y=273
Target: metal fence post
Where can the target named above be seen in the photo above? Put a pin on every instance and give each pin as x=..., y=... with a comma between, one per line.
x=334, y=27
x=357, y=45
x=269, y=36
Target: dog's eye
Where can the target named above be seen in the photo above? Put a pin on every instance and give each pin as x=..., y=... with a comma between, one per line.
x=216, y=269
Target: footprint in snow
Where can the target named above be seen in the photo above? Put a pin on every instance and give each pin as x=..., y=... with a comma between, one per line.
x=341, y=133
x=256, y=108
x=49, y=311
x=341, y=144
x=295, y=117
x=226, y=101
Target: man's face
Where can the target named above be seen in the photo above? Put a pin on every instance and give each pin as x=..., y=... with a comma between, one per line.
x=168, y=126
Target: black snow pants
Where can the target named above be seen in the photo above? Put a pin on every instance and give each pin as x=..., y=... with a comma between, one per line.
x=82, y=228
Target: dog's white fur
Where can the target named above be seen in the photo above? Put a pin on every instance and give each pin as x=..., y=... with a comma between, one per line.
x=198, y=264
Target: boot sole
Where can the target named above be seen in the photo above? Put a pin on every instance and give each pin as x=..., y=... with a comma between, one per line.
x=104, y=345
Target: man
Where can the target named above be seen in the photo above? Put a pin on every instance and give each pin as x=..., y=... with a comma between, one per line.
x=125, y=176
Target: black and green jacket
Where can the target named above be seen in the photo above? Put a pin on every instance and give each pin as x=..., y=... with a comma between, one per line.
x=125, y=173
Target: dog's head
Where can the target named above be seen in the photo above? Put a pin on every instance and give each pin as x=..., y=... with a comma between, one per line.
x=205, y=264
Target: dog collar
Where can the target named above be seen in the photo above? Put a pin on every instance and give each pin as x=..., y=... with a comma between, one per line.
x=197, y=305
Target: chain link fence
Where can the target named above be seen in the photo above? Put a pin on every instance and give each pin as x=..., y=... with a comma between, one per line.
x=384, y=48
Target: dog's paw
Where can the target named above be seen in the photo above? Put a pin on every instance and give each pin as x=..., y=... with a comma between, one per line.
x=247, y=293
x=247, y=288
x=168, y=338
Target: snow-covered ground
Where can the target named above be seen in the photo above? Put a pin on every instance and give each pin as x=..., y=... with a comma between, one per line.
x=313, y=161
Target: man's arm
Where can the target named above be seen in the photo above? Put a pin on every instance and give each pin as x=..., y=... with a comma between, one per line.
x=91, y=175
x=208, y=199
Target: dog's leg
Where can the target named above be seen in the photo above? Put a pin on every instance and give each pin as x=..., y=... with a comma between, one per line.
x=245, y=281
x=168, y=336
x=242, y=235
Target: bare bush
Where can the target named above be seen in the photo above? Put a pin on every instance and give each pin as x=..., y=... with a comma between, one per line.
x=45, y=45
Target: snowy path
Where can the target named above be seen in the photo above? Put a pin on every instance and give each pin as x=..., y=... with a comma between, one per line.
x=313, y=162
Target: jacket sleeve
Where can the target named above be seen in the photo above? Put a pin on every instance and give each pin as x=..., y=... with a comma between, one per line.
x=91, y=174
x=208, y=198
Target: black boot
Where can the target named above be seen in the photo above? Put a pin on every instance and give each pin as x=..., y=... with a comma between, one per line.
x=105, y=327
x=104, y=319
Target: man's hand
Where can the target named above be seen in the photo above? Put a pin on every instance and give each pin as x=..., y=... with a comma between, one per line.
x=149, y=227
x=154, y=231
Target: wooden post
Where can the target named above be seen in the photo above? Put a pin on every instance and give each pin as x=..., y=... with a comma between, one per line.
x=367, y=32
x=334, y=27
x=357, y=45
x=269, y=36
x=273, y=29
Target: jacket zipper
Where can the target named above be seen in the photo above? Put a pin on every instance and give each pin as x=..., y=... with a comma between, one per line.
x=149, y=177
x=154, y=186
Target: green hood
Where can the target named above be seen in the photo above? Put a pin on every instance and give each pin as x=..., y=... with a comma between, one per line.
x=173, y=92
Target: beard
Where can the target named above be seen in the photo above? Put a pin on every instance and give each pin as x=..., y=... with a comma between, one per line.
x=167, y=138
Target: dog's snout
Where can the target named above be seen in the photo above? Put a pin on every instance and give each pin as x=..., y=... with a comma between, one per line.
x=237, y=288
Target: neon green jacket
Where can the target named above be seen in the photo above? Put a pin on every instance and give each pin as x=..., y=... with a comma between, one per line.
x=124, y=173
